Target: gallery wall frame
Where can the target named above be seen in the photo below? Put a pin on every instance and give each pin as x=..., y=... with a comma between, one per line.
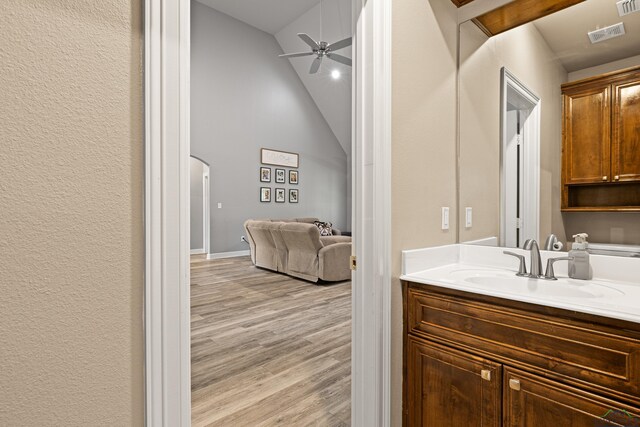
x=265, y=174
x=279, y=158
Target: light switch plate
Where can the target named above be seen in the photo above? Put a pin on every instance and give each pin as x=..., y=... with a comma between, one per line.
x=468, y=221
x=445, y=218
x=219, y=205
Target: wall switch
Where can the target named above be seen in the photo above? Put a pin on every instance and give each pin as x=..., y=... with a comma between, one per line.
x=445, y=218
x=219, y=205
x=468, y=217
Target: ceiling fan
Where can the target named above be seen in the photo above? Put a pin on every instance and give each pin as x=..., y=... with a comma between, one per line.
x=322, y=49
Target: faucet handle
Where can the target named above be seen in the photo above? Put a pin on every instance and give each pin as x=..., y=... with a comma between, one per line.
x=522, y=270
x=549, y=274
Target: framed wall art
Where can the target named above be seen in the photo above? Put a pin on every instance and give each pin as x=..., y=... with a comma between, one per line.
x=280, y=176
x=278, y=158
x=293, y=177
x=265, y=194
x=265, y=174
x=293, y=195
x=280, y=195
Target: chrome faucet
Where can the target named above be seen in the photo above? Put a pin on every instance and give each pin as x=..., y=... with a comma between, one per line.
x=536, y=262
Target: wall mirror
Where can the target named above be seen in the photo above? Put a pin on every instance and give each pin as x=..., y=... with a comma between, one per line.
x=510, y=125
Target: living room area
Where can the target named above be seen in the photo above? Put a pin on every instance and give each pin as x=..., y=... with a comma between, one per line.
x=270, y=212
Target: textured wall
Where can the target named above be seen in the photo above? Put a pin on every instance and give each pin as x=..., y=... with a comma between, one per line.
x=245, y=98
x=424, y=144
x=71, y=206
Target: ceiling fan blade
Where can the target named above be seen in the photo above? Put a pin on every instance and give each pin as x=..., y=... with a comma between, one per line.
x=295, y=55
x=339, y=58
x=315, y=65
x=340, y=44
x=308, y=40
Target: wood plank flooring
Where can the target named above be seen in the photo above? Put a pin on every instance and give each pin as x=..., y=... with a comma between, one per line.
x=267, y=349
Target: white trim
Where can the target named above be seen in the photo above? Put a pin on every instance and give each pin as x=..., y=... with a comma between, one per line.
x=167, y=346
x=206, y=209
x=220, y=255
x=371, y=307
x=198, y=251
x=531, y=130
x=167, y=335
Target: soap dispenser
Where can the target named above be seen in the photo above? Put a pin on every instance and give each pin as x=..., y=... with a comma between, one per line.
x=579, y=267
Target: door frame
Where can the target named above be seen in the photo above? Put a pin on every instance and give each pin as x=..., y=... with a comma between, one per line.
x=531, y=134
x=167, y=152
x=206, y=207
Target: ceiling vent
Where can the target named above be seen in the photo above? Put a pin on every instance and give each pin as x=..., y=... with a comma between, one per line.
x=606, y=33
x=626, y=7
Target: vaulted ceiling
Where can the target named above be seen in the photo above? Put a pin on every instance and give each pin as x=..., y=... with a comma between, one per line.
x=330, y=21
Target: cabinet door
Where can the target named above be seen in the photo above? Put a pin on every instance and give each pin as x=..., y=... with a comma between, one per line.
x=625, y=154
x=587, y=138
x=532, y=401
x=447, y=387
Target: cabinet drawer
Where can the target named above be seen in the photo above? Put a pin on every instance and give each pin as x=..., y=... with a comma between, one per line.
x=592, y=356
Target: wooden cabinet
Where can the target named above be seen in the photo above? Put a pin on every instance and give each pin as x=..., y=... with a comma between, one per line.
x=587, y=134
x=625, y=147
x=532, y=401
x=601, y=143
x=469, y=387
x=475, y=360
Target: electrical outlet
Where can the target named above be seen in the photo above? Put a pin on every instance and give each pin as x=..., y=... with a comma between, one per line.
x=445, y=218
x=219, y=205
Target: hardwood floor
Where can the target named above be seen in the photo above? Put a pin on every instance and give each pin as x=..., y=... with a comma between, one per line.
x=267, y=349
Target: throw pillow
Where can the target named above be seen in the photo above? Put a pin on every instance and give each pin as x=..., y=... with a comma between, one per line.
x=324, y=227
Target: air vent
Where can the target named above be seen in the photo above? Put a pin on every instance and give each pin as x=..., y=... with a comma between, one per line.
x=626, y=7
x=606, y=33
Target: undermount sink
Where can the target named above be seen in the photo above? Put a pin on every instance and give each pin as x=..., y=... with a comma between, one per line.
x=570, y=288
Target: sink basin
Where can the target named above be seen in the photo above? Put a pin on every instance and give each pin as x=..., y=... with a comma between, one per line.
x=568, y=288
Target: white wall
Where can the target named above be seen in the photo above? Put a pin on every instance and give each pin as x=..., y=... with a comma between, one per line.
x=632, y=61
x=245, y=98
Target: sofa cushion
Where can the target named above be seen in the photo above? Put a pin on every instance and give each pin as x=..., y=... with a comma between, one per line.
x=330, y=240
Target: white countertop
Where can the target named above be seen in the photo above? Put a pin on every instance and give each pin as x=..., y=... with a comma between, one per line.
x=614, y=291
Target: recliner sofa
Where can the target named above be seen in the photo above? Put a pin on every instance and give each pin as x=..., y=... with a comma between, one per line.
x=295, y=247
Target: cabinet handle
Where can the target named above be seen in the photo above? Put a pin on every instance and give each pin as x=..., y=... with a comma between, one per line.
x=514, y=385
x=616, y=178
x=485, y=374
x=604, y=178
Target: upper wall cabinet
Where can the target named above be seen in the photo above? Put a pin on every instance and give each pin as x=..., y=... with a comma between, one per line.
x=601, y=143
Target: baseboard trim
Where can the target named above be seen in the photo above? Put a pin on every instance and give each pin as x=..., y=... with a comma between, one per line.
x=197, y=251
x=221, y=255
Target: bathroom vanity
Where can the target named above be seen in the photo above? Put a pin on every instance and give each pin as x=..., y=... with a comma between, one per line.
x=483, y=347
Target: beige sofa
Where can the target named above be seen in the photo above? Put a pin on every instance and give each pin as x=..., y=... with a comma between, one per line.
x=295, y=247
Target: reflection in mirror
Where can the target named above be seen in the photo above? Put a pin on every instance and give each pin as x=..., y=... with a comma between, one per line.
x=495, y=169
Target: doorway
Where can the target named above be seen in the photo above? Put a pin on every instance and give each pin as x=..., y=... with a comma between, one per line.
x=199, y=206
x=520, y=162
x=167, y=142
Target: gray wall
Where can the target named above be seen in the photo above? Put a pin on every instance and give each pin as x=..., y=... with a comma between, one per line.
x=243, y=98
x=196, y=170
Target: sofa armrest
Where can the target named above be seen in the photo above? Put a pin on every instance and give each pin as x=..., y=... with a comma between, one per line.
x=333, y=262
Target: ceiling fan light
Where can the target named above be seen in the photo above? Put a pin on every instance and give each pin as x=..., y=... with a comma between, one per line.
x=335, y=74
